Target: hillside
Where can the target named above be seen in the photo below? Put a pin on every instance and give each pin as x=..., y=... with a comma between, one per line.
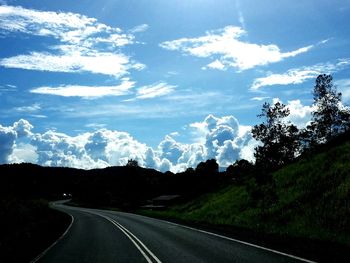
x=312, y=201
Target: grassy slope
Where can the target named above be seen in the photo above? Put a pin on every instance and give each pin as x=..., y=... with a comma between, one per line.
x=313, y=201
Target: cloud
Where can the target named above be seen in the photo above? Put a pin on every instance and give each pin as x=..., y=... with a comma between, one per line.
x=82, y=43
x=240, y=14
x=300, y=75
x=216, y=65
x=87, y=92
x=259, y=98
x=23, y=153
x=96, y=62
x=154, y=90
x=31, y=108
x=300, y=115
x=139, y=28
x=9, y=135
x=228, y=50
x=7, y=88
x=7, y=141
x=343, y=85
x=221, y=138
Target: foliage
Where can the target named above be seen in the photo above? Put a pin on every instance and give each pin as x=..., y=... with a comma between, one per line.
x=240, y=170
x=279, y=138
x=312, y=200
x=132, y=163
x=329, y=118
x=209, y=167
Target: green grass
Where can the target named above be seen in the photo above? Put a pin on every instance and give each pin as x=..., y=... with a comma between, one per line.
x=313, y=201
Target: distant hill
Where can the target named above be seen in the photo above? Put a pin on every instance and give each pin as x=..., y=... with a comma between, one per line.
x=125, y=187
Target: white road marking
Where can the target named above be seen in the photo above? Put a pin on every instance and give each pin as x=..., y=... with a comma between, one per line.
x=131, y=236
x=231, y=239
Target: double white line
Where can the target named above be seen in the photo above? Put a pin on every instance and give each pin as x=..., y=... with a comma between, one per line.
x=144, y=250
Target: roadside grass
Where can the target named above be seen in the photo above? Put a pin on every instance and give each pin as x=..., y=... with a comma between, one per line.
x=27, y=228
x=313, y=202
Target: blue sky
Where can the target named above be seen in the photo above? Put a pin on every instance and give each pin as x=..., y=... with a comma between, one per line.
x=169, y=83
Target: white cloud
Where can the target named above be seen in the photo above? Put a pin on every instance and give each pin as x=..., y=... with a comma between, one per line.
x=259, y=98
x=226, y=46
x=88, y=92
x=83, y=44
x=300, y=75
x=22, y=128
x=9, y=135
x=139, y=28
x=300, y=115
x=23, y=153
x=343, y=85
x=7, y=142
x=221, y=138
x=216, y=65
x=31, y=108
x=7, y=88
x=154, y=90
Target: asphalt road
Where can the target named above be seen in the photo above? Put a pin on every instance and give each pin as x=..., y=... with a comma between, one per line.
x=107, y=236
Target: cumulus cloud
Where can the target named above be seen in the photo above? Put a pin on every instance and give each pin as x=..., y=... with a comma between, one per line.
x=300, y=75
x=7, y=141
x=83, y=44
x=8, y=136
x=228, y=50
x=221, y=138
x=23, y=153
x=300, y=115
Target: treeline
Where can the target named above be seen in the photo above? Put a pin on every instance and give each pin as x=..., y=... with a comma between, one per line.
x=126, y=187
x=282, y=143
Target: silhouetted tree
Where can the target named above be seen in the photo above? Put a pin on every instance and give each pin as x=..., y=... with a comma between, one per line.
x=239, y=170
x=279, y=138
x=209, y=167
x=132, y=163
x=330, y=118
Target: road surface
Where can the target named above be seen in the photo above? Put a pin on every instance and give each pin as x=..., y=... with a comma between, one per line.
x=108, y=236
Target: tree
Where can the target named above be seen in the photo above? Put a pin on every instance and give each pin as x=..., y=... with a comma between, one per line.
x=279, y=139
x=330, y=118
x=209, y=167
x=239, y=170
x=132, y=163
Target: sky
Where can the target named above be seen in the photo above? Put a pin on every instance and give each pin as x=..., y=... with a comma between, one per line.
x=90, y=84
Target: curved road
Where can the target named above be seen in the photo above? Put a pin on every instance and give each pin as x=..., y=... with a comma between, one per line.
x=108, y=236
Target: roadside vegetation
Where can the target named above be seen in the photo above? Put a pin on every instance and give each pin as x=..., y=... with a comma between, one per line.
x=311, y=201
x=299, y=186
x=27, y=228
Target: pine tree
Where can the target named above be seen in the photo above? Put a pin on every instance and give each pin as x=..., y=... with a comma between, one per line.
x=279, y=138
x=330, y=118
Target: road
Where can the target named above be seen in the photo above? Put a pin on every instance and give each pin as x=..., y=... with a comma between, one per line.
x=108, y=236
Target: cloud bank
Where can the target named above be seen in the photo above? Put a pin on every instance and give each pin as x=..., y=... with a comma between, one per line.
x=221, y=138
